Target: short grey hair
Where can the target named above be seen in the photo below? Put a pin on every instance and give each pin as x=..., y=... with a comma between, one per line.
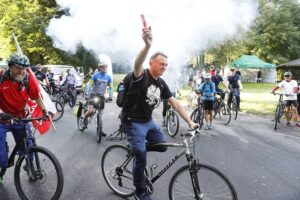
x=158, y=53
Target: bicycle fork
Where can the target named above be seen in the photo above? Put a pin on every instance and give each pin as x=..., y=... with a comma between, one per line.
x=195, y=182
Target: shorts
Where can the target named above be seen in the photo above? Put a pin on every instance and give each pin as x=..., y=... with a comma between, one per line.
x=99, y=104
x=291, y=102
x=208, y=105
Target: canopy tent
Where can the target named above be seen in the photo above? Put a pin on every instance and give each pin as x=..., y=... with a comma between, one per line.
x=251, y=62
x=294, y=63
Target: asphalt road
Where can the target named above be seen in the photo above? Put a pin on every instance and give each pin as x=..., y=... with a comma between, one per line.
x=261, y=163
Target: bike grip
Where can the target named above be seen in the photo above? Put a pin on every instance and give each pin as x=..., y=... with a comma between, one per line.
x=144, y=21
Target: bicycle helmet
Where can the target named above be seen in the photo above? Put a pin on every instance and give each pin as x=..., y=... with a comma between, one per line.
x=207, y=76
x=287, y=74
x=18, y=60
x=102, y=63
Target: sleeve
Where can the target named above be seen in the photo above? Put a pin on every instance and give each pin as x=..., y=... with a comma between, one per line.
x=166, y=93
x=280, y=84
x=63, y=80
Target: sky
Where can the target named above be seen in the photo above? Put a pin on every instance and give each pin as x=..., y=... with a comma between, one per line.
x=180, y=27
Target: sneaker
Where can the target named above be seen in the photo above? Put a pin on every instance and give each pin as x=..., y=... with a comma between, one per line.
x=287, y=124
x=297, y=125
x=104, y=134
x=143, y=196
x=206, y=128
x=210, y=127
x=164, y=123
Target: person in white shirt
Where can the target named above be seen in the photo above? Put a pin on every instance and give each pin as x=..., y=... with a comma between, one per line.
x=69, y=81
x=290, y=90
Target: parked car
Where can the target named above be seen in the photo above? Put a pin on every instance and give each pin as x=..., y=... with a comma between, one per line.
x=60, y=70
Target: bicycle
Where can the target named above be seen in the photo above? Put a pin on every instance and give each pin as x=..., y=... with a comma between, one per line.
x=280, y=109
x=192, y=181
x=38, y=174
x=65, y=96
x=197, y=115
x=98, y=102
x=233, y=103
x=172, y=121
x=221, y=109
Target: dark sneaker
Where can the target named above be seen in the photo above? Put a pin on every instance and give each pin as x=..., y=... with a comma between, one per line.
x=143, y=196
x=287, y=124
x=297, y=125
x=104, y=134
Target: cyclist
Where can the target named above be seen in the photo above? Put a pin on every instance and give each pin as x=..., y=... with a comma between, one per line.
x=145, y=91
x=207, y=91
x=41, y=76
x=234, y=85
x=217, y=79
x=290, y=90
x=69, y=81
x=97, y=87
x=17, y=85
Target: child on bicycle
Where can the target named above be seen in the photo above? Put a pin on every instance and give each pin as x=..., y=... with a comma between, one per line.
x=290, y=90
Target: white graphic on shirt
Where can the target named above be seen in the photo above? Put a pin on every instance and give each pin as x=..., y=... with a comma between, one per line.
x=153, y=96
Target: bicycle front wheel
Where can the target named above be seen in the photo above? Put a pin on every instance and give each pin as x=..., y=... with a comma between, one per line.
x=59, y=110
x=116, y=167
x=203, y=183
x=278, y=114
x=173, y=123
x=80, y=120
x=197, y=117
x=99, y=127
x=234, y=108
x=38, y=176
x=225, y=114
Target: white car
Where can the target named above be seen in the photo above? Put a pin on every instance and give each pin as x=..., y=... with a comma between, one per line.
x=60, y=70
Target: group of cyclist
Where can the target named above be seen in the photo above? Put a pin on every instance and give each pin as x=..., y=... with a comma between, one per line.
x=147, y=88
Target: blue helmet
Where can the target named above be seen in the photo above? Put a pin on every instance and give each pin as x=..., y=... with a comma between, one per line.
x=18, y=60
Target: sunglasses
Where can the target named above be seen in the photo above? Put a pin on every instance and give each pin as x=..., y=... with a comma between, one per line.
x=286, y=76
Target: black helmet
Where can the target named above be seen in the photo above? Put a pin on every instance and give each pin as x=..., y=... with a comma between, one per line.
x=19, y=60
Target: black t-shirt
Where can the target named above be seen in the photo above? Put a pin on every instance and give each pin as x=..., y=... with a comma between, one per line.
x=233, y=81
x=217, y=80
x=144, y=96
x=40, y=75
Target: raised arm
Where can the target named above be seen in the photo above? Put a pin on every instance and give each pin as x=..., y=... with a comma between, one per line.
x=138, y=65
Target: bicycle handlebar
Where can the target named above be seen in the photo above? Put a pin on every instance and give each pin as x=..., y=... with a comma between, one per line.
x=288, y=95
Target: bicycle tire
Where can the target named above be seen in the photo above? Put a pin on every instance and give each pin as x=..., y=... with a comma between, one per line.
x=99, y=127
x=277, y=116
x=225, y=114
x=197, y=117
x=60, y=110
x=61, y=100
x=208, y=184
x=80, y=120
x=234, y=108
x=37, y=181
x=172, y=121
x=113, y=171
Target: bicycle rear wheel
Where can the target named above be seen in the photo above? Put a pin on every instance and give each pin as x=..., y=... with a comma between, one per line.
x=204, y=182
x=172, y=123
x=225, y=114
x=99, y=127
x=41, y=178
x=197, y=117
x=60, y=110
x=116, y=167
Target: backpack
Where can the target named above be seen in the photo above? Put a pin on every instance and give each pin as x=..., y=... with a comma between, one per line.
x=123, y=89
x=4, y=75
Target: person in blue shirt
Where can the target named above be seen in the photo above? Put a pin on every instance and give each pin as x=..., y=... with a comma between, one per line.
x=97, y=87
x=207, y=90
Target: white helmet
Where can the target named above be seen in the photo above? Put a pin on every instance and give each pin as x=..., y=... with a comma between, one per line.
x=102, y=63
x=207, y=76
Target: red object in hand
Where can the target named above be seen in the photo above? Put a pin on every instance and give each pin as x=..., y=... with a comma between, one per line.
x=144, y=21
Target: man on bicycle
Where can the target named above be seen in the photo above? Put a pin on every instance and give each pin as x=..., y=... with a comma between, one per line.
x=145, y=91
x=97, y=87
x=234, y=85
x=217, y=79
x=17, y=85
x=207, y=91
x=290, y=90
x=69, y=81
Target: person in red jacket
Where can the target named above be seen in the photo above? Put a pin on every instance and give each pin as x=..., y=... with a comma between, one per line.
x=17, y=85
x=212, y=70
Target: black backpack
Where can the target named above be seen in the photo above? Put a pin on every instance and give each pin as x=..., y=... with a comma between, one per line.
x=123, y=89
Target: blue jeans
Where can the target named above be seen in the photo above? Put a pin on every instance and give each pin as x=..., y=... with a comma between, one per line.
x=17, y=131
x=138, y=134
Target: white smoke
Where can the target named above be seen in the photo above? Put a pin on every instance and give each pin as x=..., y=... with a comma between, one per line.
x=179, y=27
